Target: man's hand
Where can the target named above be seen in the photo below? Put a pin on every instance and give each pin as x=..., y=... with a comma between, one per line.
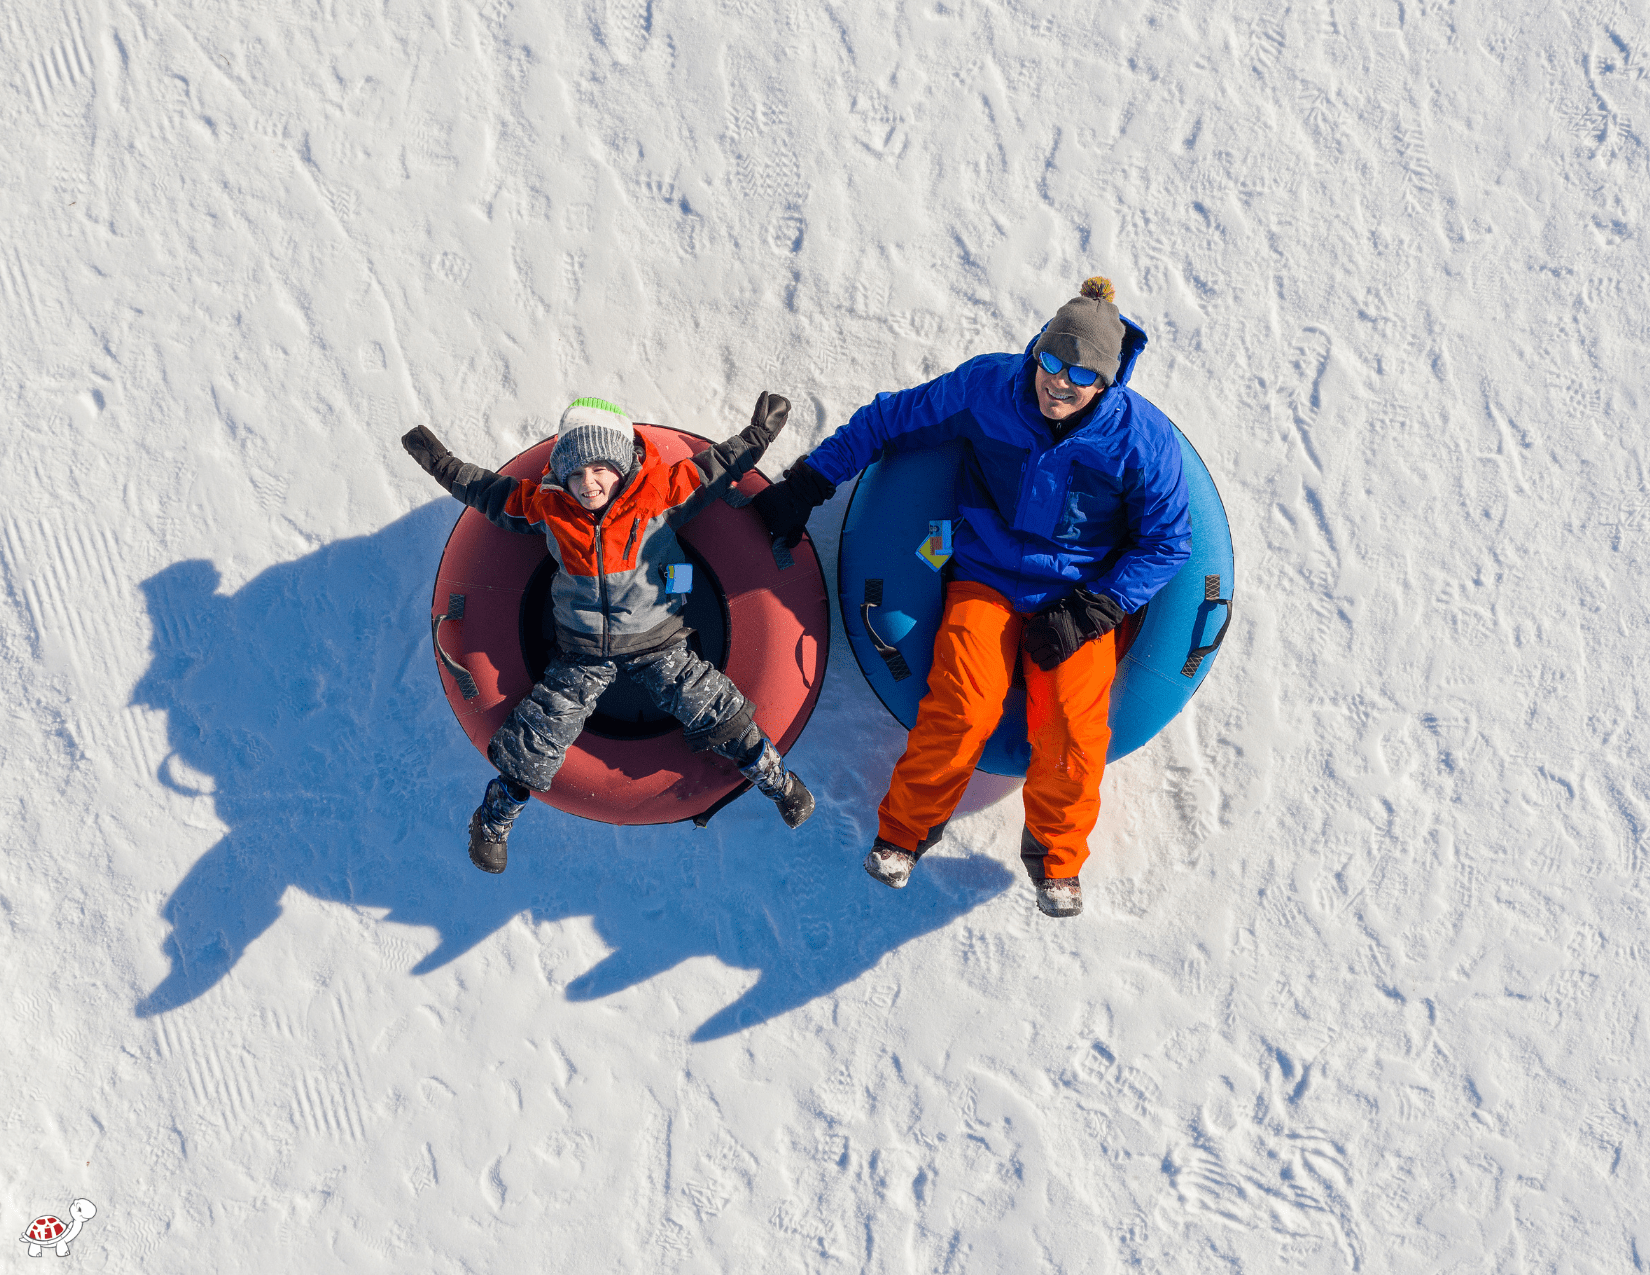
x=433, y=458
x=1052, y=636
x=785, y=505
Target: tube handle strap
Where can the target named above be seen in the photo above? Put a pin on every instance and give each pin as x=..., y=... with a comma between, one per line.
x=455, y=611
x=890, y=654
x=1211, y=593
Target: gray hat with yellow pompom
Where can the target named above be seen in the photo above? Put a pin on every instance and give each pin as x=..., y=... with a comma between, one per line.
x=1087, y=330
x=593, y=431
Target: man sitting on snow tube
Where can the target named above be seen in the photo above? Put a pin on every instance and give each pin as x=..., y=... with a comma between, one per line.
x=1074, y=513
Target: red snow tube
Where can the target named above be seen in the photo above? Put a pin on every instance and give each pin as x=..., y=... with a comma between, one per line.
x=766, y=626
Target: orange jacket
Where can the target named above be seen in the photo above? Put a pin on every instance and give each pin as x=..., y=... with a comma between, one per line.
x=610, y=594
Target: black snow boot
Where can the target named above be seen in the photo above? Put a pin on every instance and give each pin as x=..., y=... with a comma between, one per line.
x=780, y=786
x=490, y=825
x=796, y=803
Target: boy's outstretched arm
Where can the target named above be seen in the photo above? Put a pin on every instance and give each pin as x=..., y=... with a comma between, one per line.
x=723, y=464
x=479, y=488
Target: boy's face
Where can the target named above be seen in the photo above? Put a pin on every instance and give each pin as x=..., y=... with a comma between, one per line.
x=593, y=485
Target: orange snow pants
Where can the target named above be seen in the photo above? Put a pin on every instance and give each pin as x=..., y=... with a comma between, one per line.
x=1066, y=716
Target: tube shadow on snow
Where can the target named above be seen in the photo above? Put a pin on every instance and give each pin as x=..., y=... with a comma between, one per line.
x=308, y=695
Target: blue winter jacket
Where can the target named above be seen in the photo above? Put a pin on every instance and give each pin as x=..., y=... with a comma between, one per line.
x=1104, y=508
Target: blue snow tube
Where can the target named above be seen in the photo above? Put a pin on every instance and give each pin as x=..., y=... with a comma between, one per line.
x=891, y=600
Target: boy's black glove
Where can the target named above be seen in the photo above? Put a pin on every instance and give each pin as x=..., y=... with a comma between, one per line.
x=1052, y=636
x=435, y=460
x=785, y=506
x=725, y=462
x=772, y=411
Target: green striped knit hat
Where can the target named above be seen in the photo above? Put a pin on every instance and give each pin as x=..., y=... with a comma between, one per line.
x=593, y=430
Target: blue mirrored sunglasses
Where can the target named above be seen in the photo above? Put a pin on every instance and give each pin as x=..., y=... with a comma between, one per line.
x=1079, y=376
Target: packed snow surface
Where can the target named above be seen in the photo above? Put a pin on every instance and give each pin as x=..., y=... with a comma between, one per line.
x=1361, y=980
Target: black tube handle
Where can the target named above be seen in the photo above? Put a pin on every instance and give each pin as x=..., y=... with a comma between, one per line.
x=1211, y=593
x=455, y=611
x=890, y=654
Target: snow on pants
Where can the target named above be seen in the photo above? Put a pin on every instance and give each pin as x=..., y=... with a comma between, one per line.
x=1066, y=716
x=531, y=744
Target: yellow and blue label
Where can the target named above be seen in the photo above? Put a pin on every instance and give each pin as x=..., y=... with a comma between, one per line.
x=935, y=548
x=679, y=577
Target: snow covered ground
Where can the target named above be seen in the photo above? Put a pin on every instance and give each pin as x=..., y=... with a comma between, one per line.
x=1361, y=983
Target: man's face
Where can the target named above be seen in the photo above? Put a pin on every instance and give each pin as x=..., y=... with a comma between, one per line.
x=593, y=485
x=1058, y=398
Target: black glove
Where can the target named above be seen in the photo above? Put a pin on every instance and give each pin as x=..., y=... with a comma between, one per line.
x=1052, y=636
x=785, y=506
x=772, y=411
x=435, y=460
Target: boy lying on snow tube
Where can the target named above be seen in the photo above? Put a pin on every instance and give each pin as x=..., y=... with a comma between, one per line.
x=614, y=608
x=1074, y=513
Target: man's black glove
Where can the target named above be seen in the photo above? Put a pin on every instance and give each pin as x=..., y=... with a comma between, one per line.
x=785, y=506
x=435, y=460
x=772, y=411
x=1052, y=636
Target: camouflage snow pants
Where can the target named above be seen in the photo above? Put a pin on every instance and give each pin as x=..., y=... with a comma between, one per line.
x=534, y=739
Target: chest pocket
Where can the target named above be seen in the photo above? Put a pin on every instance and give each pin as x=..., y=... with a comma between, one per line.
x=994, y=471
x=1094, y=511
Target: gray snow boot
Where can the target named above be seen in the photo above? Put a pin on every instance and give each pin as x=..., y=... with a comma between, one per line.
x=1056, y=896
x=780, y=786
x=892, y=865
x=889, y=864
x=1059, y=896
x=490, y=825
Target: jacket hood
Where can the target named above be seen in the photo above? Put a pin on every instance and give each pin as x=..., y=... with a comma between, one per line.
x=1134, y=341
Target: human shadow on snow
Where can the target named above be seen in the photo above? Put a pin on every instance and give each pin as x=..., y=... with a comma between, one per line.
x=309, y=698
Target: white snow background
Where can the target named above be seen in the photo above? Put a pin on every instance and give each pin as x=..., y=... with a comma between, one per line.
x=1361, y=980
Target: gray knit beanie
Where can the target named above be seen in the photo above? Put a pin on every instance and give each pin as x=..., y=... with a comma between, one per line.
x=1087, y=331
x=593, y=430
